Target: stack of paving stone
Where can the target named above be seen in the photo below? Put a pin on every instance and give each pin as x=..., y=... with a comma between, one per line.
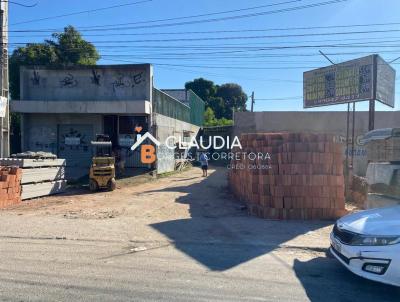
x=10, y=186
x=385, y=149
x=41, y=175
x=303, y=178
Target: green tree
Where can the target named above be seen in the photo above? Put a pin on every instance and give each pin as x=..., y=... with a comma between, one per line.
x=234, y=98
x=72, y=49
x=209, y=117
x=203, y=88
x=64, y=49
x=210, y=120
x=223, y=100
x=217, y=104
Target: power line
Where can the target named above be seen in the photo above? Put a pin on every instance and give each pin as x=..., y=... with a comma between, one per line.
x=20, y=4
x=246, y=37
x=222, y=67
x=284, y=10
x=243, y=52
x=81, y=12
x=198, y=73
x=159, y=47
x=196, y=16
x=211, y=20
x=82, y=29
x=288, y=98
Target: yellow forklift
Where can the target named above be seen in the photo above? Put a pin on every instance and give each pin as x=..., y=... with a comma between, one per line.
x=102, y=170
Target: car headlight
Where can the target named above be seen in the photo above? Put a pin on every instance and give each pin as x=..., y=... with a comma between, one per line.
x=375, y=240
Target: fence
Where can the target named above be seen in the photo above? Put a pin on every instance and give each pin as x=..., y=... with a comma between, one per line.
x=168, y=106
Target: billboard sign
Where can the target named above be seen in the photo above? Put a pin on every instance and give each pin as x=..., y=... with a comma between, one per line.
x=385, y=82
x=363, y=79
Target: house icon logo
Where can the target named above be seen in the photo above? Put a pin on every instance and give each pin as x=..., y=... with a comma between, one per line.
x=147, y=152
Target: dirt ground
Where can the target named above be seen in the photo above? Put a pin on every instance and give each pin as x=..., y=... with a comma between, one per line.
x=142, y=197
x=186, y=196
x=179, y=238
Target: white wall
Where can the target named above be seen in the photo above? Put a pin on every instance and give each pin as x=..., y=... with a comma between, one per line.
x=165, y=127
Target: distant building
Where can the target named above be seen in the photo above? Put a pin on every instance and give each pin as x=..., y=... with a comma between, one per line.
x=63, y=110
x=179, y=94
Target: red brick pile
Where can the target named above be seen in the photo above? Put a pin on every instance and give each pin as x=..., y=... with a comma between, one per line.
x=303, y=179
x=10, y=186
x=358, y=192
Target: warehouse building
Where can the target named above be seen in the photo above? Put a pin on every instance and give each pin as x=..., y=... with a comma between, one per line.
x=62, y=110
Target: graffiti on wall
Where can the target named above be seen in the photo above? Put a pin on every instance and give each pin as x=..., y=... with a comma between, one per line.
x=86, y=84
x=69, y=81
x=95, y=78
x=35, y=79
x=74, y=140
x=127, y=81
x=42, y=138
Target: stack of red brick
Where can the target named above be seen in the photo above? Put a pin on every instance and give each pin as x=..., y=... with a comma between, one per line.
x=303, y=179
x=10, y=186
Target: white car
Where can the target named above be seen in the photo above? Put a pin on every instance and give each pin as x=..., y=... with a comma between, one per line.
x=368, y=244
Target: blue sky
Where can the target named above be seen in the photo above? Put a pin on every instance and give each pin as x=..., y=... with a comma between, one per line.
x=225, y=56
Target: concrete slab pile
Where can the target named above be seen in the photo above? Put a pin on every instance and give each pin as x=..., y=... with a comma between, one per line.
x=385, y=150
x=10, y=186
x=40, y=177
x=303, y=178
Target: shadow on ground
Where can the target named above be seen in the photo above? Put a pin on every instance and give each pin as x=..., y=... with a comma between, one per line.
x=214, y=236
x=220, y=236
x=324, y=279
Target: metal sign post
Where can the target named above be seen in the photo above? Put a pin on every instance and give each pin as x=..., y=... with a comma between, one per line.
x=371, y=119
x=365, y=79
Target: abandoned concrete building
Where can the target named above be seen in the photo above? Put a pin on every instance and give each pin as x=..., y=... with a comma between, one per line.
x=63, y=109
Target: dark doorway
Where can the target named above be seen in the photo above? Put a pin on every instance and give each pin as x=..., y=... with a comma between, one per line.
x=111, y=128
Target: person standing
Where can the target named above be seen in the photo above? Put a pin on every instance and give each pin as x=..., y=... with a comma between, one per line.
x=204, y=163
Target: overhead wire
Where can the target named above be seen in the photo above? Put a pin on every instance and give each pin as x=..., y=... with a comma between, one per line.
x=244, y=37
x=211, y=20
x=81, y=12
x=198, y=15
x=20, y=4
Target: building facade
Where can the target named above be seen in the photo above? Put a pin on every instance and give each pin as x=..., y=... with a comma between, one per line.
x=62, y=110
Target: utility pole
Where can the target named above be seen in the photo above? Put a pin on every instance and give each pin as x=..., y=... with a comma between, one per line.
x=4, y=91
x=252, y=101
x=371, y=119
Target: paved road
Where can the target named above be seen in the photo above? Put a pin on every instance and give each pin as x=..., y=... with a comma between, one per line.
x=178, y=239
